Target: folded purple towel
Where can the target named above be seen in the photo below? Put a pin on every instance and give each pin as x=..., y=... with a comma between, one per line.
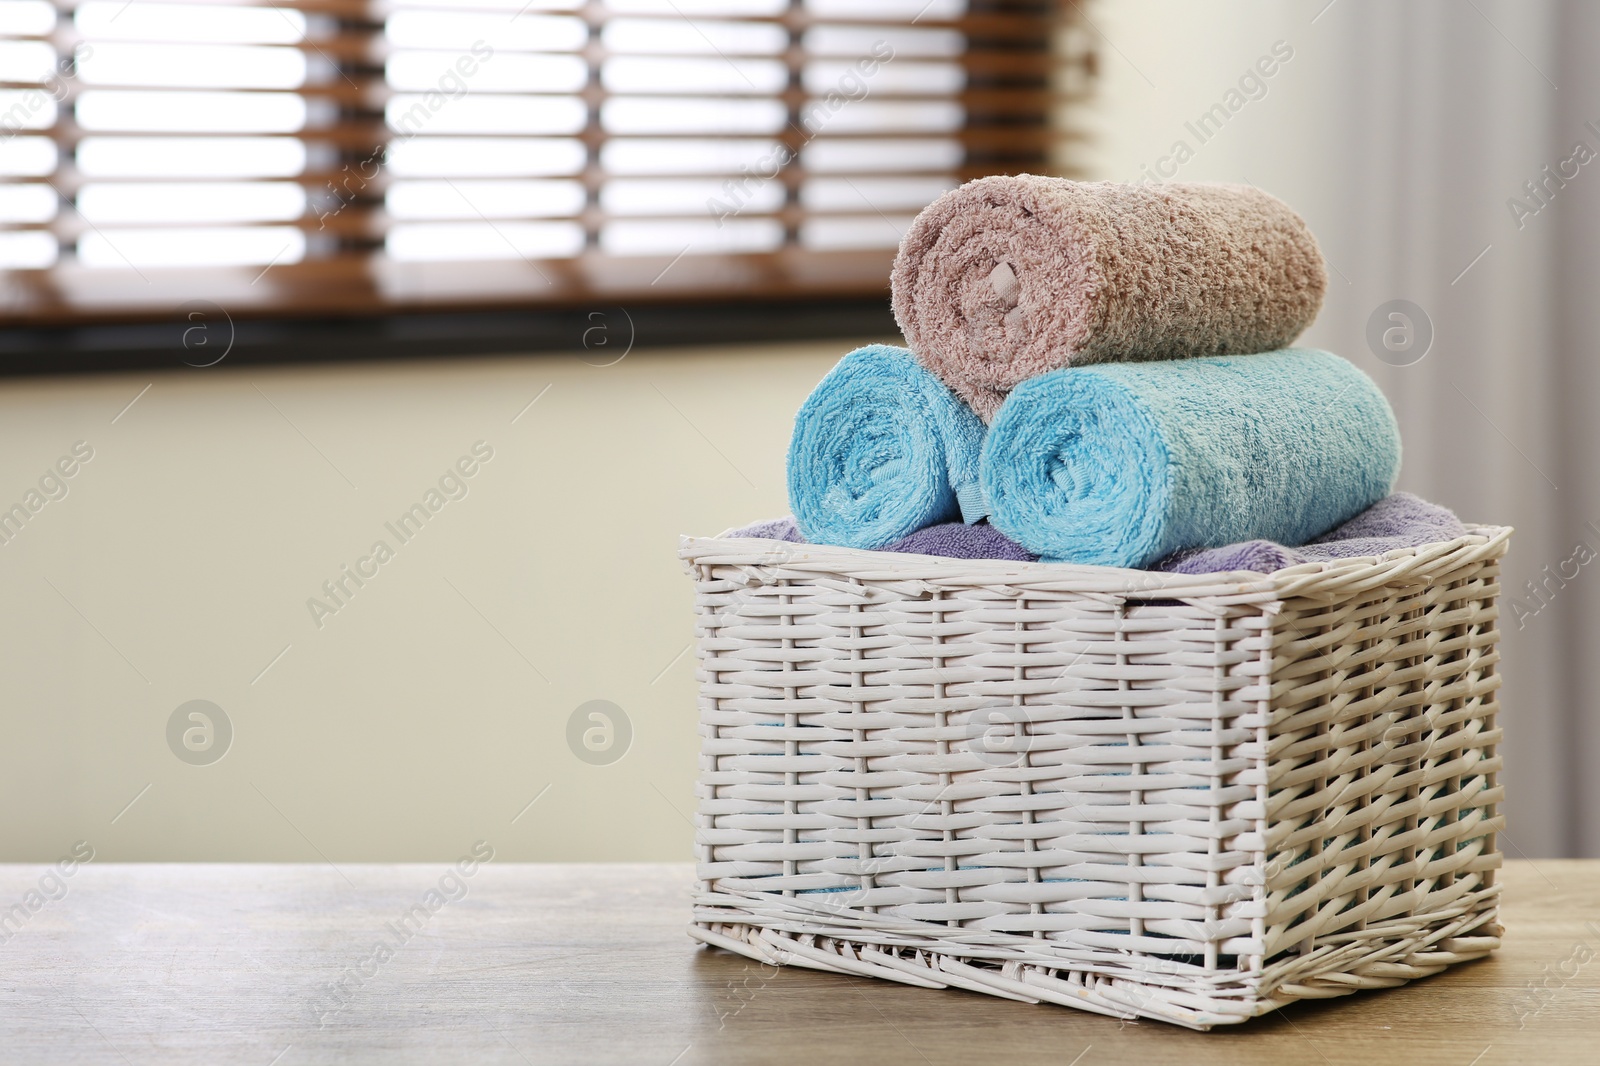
x=953, y=540
x=956, y=540
x=785, y=528
x=1262, y=556
x=1400, y=520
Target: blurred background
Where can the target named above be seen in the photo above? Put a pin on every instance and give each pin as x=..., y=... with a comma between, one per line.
x=561, y=272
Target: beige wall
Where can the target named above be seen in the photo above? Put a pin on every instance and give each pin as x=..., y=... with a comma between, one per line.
x=408, y=725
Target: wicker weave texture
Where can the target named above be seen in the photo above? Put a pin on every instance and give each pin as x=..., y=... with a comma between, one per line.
x=1148, y=795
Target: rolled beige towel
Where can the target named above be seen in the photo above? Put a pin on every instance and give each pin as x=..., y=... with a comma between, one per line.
x=1006, y=278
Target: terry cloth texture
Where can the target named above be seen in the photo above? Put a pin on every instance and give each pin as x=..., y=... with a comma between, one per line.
x=957, y=540
x=1006, y=278
x=953, y=540
x=880, y=450
x=785, y=529
x=1398, y=521
x=1123, y=464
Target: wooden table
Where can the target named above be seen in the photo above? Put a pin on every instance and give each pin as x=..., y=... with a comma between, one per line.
x=590, y=964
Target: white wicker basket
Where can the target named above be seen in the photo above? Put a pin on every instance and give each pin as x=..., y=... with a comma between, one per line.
x=1147, y=795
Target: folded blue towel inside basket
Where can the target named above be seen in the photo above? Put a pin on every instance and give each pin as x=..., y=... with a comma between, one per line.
x=1122, y=464
x=881, y=449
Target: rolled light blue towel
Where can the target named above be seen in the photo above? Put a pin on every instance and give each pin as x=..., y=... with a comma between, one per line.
x=881, y=449
x=1122, y=464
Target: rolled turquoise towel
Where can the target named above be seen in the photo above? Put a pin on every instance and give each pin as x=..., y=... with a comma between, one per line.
x=1121, y=464
x=881, y=448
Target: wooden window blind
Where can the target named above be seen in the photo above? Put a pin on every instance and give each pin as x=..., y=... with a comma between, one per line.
x=316, y=157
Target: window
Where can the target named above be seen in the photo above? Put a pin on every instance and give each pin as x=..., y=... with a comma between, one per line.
x=314, y=157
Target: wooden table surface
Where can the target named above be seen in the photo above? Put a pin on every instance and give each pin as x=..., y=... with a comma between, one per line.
x=590, y=964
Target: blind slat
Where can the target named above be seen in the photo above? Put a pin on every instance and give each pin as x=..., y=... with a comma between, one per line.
x=361, y=156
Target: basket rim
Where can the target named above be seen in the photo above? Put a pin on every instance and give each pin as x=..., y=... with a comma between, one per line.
x=772, y=559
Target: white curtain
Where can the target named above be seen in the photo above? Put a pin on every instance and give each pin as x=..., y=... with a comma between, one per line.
x=1408, y=135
